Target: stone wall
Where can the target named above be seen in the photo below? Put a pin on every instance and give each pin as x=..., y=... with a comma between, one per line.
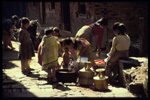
x=129, y=13
x=33, y=11
x=53, y=16
x=126, y=12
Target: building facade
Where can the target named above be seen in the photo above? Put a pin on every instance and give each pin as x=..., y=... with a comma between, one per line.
x=71, y=16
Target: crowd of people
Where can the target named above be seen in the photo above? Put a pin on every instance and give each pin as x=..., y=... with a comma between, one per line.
x=51, y=47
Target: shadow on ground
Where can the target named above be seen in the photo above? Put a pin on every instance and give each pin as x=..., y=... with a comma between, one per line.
x=10, y=55
x=12, y=88
x=7, y=56
x=60, y=86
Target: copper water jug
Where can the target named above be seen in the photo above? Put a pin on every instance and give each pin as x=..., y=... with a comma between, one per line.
x=86, y=75
x=100, y=81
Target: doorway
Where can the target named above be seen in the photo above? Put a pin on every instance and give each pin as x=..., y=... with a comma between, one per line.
x=65, y=12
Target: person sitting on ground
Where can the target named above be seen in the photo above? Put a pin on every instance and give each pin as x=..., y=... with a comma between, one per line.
x=49, y=52
x=119, y=49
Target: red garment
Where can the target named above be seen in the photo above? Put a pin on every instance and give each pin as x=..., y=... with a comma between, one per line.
x=40, y=59
x=99, y=62
x=98, y=31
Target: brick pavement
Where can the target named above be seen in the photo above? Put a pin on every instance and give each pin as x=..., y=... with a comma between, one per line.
x=15, y=84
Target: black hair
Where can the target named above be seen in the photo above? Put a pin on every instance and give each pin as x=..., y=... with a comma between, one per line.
x=23, y=21
x=116, y=25
x=14, y=17
x=95, y=24
x=77, y=42
x=48, y=31
x=121, y=27
x=61, y=41
x=102, y=21
x=66, y=41
x=33, y=22
x=56, y=29
x=32, y=27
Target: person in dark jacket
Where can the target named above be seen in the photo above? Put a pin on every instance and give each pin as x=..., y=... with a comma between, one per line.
x=9, y=25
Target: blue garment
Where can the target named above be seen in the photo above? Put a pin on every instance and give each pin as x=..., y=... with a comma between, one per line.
x=7, y=24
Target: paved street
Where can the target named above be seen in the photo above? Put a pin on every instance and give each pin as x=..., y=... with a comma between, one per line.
x=15, y=84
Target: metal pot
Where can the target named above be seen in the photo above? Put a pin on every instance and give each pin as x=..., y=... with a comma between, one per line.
x=100, y=81
x=66, y=76
x=86, y=75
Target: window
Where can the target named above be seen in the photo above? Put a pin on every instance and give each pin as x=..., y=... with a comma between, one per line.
x=82, y=8
x=34, y=5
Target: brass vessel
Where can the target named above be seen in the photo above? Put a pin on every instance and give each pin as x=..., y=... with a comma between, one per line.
x=100, y=81
x=86, y=75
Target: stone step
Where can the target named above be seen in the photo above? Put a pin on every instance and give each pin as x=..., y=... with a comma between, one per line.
x=132, y=77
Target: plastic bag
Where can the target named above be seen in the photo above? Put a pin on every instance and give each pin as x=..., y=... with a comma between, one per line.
x=75, y=65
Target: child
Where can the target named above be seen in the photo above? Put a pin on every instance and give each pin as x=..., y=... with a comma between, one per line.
x=59, y=48
x=119, y=49
x=56, y=31
x=49, y=52
x=26, y=50
x=65, y=58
